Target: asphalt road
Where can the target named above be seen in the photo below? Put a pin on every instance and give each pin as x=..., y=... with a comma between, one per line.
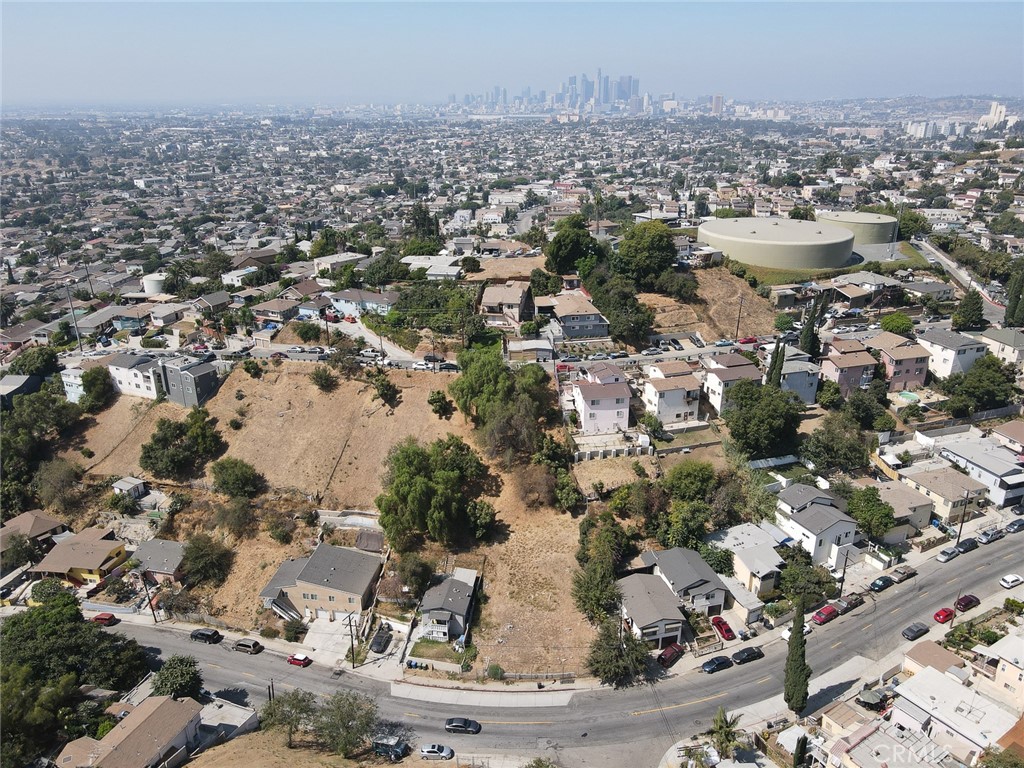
x=647, y=719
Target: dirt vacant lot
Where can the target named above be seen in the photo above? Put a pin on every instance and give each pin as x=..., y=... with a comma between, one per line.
x=506, y=269
x=264, y=749
x=715, y=318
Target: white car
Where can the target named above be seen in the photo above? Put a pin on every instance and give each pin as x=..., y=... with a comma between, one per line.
x=947, y=554
x=436, y=752
x=1011, y=580
x=789, y=631
x=419, y=365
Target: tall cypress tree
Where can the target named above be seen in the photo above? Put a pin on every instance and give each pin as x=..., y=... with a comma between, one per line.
x=809, y=342
x=1013, y=294
x=775, y=369
x=798, y=671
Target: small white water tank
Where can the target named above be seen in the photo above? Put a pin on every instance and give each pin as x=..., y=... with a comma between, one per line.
x=153, y=284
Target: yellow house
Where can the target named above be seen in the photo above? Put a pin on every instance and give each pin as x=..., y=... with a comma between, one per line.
x=84, y=559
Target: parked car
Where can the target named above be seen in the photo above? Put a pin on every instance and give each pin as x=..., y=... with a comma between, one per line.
x=903, y=573
x=670, y=655
x=421, y=366
x=209, y=636
x=967, y=545
x=296, y=349
x=747, y=340
x=436, y=752
x=847, y=603
x=599, y=356
x=1011, y=580
x=789, y=631
x=825, y=615
x=717, y=664
x=371, y=353
x=966, y=602
x=915, y=630
x=944, y=615
x=247, y=645
x=450, y=367
x=947, y=554
x=650, y=351
x=380, y=641
x=619, y=355
x=745, y=655
x=564, y=367
x=391, y=747
x=432, y=358
x=316, y=350
x=1014, y=526
x=461, y=725
x=105, y=619
x=570, y=358
x=278, y=356
x=676, y=345
x=992, y=534
x=723, y=343
x=697, y=342
x=722, y=627
x=881, y=584
x=300, y=660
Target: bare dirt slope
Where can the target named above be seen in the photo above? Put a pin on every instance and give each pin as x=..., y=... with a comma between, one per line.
x=264, y=749
x=505, y=269
x=716, y=317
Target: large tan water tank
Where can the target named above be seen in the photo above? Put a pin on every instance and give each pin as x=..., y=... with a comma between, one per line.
x=779, y=243
x=867, y=228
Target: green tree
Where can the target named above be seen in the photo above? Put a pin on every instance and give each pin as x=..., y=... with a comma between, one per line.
x=616, y=656
x=594, y=591
x=571, y=244
x=291, y=711
x=543, y=283
x=440, y=404
x=238, y=517
x=307, y=331
x=35, y=361
x=323, y=379
x=647, y=250
x=345, y=721
x=179, y=677
x=691, y=480
x=829, y=395
x=725, y=733
x=328, y=241
x=57, y=483
x=1002, y=758
x=1014, y=289
x=47, y=590
x=98, y=389
x=206, y=560
x=762, y=420
x=18, y=550
x=837, y=444
x=988, y=384
x=798, y=671
x=783, y=322
x=897, y=322
x=470, y=264
x=237, y=478
x=809, y=341
x=801, y=580
x=415, y=573
x=874, y=516
x=180, y=449
x=803, y=213
x=969, y=314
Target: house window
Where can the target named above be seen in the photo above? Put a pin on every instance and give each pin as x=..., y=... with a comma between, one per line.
x=188, y=389
x=595, y=402
x=593, y=415
x=330, y=598
x=819, y=542
x=351, y=600
x=618, y=414
x=305, y=596
x=619, y=400
x=313, y=596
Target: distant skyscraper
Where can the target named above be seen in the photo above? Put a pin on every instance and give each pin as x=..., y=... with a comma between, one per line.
x=716, y=104
x=605, y=87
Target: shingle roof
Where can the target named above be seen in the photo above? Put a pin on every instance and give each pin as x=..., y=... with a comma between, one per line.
x=648, y=600
x=450, y=595
x=340, y=568
x=684, y=568
x=949, y=339
x=799, y=495
x=819, y=517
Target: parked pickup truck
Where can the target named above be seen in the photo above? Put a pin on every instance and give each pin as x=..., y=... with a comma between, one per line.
x=903, y=573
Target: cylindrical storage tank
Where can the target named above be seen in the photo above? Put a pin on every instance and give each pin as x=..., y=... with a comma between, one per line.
x=153, y=284
x=779, y=243
x=867, y=228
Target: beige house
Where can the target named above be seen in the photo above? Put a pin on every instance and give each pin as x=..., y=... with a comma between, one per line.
x=953, y=492
x=508, y=304
x=928, y=653
x=999, y=669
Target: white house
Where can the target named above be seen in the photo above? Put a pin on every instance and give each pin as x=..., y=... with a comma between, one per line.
x=1006, y=343
x=601, y=408
x=674, y=400
x=951, y=352
x=137, y=375
x=1011, y=435
x=997, y=468
x=813, y=520
x=800, y=374
x=236, y=276
x=718, y=381
x=72, y=380
x=354, y=301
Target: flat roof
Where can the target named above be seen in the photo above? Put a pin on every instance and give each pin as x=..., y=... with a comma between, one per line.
x=777, y=231
x=856, y=217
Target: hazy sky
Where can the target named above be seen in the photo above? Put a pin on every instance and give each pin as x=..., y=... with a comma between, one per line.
x=334, y=53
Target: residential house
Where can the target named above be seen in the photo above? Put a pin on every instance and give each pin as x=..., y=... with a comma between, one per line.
x=848, y=364
x=275, y=310
x=235, y=277
x=187, y=381
x=603, y=373
x=953, y=493
x=951, y=352
x=302, y=290
x=928, y=653
x=882, y=744
x=89, y=556
x=71, y=378
x=719, y=380
x=161, y=732
x=508, y=304
x=913, y=511
x=130, y=486
x=961, y=719
x=1006, y=343
x=929, y=289
x=757, y=565
x=447, y=608
x=905, y=361
x=212, y=303
x=314, y=309
x=13, y=385
x=355, y=302
x=601, y=408
x=167, y=314
x=999, y=669
x=693, y=581
x=674, y=400
x=813, y=519
x=35, y=526
x=576, y=316
x=528, y=350
x=330, y=583
x=18, y=335
x=651, y=609
x=335, y=261
x=670, y=369
x=996, y=467
x=1010, y=435
x=160, y=560
x=800, y=374
x=137, y=375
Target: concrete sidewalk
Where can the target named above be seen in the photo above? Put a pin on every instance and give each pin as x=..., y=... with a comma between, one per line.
x=466, y=697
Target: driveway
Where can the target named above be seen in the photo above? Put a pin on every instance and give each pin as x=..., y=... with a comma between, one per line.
x=329, y=641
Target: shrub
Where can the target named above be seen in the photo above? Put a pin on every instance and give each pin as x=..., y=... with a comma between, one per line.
x=88, y=452
x=237, y=478
x=252, y=368
x=238, y=517
x=235, y=424
x=323, y=378
x=206, y=560
x=281, y=527
x=495, y=672
x=271, y=633
x=292, y=629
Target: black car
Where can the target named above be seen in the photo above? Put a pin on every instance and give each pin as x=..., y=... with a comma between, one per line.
x=1014, y=526
x=380, y=642
x=967, y=545
x=617, y=355
x=461, y=725
x=881, y=583
x=210, y=636
x=716, y=664
x=448, y=367
x=915, y=630
x=747, y=654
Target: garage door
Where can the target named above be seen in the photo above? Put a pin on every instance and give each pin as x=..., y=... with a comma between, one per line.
x=322, y=614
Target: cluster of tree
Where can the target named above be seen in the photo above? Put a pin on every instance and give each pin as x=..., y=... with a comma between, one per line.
x=988, y=384
x=443, y=306
x=970, y=313
x=763, y=420
x=837, y=444
x=604, y=546
x=179, y=677
x=1013, y=316
x=433, y=491
x=874, y=516
x=49, y=651
x=28, y=435
x=341, y=724
x=869, y=409
x=544, y=283
x=995, y=265
x=37, y=361
x=809, y=341
x=206, y=560
x=180, y=449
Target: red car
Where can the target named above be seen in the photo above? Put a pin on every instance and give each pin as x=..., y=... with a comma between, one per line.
x=747, y=340
x=300, y=660
x=944, y=615
x=825, y=615
x=349, y=319
x=722, y=627
x=105, y=619
x=563, y=367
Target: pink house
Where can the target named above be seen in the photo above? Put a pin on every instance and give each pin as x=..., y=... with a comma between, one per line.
x=848, y=364
x=906, y=361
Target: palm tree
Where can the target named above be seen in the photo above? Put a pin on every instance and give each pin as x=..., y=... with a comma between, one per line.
x=725, y=733
x=7, y=308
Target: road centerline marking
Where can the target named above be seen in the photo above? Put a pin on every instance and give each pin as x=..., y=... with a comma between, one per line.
x=678, y=706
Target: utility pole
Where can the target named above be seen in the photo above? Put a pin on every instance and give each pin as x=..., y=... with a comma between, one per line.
x=739, y=313
x=352, y=641
x=149, y=599
x=74, y=319
x=963, y=516
x=842, y=580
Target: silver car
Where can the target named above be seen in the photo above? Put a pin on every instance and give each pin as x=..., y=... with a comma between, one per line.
x=436, y=752
x=947, y=554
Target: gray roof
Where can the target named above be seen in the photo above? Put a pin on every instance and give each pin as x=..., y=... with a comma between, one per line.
x=799, y=496
x=1011, y=337
x=949, y=339
x=340, y=568
x=817, y=518
x=648, y=600
x=160, y=555
x=285, y=577
x=124, y=360
x=685, y=569
x=451, y=595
